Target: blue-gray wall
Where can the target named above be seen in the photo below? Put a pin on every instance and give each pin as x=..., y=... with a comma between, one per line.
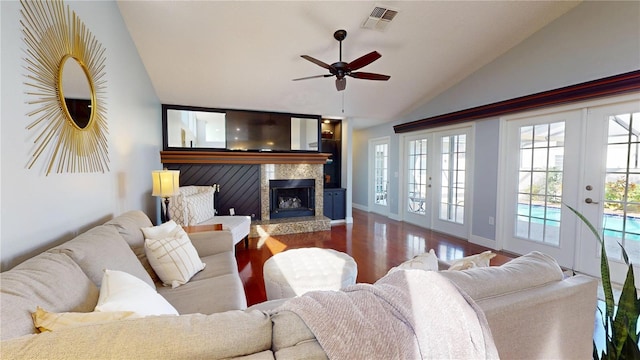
x=592, y=41
x=38, y=211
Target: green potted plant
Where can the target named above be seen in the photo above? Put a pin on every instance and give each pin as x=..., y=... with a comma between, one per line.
x=620, y=326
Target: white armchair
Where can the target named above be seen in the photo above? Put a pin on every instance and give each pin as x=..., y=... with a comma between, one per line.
x=194, y=205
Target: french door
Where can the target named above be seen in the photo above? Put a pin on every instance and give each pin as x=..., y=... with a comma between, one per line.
x=610, y=195
x=539, y=180
x=417, y=190
x=588, y=158
x=436, y=173
x=378, y=191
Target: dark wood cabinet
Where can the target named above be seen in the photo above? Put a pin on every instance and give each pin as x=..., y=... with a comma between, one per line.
x=332, y=145
x=335, y=203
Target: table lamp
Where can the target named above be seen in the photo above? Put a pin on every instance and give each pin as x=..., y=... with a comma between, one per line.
x=165, y=184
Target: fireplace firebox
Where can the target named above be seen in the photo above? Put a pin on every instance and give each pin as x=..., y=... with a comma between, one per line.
x=291, y=198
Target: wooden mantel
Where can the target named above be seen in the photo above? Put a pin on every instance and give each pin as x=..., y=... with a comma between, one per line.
x=241, y=157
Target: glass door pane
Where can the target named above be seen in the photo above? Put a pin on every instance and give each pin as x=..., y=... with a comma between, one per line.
x=452, y=180
x=381, y=173
x=451, y=169
x=541, y=153
x=536, y=181
x=417, y=176
x=621, y=211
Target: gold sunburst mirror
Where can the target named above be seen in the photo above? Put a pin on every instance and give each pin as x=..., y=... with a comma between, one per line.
x=66, y=84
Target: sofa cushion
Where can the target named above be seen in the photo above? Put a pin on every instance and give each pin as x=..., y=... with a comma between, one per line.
x=102, y=248
x=128, y=226
x=171, y=253
x=219, y=336
x=292, y=337
x=53, y=281
x=208, y=296
x=527, y=271
x=124, y=292
x=218, y=264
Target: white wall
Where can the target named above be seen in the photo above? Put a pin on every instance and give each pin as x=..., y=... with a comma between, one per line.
x=594, y=40
x=38, y=211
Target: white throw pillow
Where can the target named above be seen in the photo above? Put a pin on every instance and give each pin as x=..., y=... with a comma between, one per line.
x=427, y=262
x=121, y=291
x=160, y=231
x=171, y=253
x=477, y=260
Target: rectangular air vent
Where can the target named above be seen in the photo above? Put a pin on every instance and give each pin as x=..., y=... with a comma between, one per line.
x=379, y=18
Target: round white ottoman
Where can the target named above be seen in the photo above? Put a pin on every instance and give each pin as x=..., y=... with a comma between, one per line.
x=294, y=272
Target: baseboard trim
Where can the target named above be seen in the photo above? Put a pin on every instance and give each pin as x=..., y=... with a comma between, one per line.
x=479, y=240
x=360, y=207
x=395, y=217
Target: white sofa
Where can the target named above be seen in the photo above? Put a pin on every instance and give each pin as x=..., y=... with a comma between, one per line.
x=195, y=205
x=533, y=312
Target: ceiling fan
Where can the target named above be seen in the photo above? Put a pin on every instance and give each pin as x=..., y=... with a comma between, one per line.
x=341, y=69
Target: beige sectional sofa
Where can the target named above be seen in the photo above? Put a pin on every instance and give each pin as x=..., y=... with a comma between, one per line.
x=532, y=310
x=68, y=277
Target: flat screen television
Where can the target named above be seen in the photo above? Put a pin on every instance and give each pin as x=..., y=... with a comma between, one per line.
x=248, y=130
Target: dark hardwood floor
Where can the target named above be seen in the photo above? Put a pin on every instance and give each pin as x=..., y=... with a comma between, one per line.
x=376, y=242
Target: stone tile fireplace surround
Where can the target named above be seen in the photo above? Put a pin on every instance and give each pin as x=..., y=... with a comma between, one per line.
x=290, y=225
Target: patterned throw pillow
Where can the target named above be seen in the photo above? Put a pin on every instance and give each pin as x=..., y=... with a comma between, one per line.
x=171, y=253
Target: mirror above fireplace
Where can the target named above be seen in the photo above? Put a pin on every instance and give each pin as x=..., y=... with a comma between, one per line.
x=187, y=127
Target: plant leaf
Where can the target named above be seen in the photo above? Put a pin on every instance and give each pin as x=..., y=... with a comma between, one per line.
x=624, y=254
x=630, y=349
x=626, y=319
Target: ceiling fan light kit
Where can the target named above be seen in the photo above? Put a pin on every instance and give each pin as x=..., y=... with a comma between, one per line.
x=341, y=69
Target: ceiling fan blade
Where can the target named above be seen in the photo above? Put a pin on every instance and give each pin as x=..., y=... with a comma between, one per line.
x=341, y=84
x=369, y=76
x=364, y=60
x=312, y=77
x=317, y=62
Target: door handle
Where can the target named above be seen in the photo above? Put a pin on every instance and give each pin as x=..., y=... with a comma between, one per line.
x=590, y=201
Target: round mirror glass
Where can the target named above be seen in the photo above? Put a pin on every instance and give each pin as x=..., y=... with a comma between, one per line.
x=76, y=90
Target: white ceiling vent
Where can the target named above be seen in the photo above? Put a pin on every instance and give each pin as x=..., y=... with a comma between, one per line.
x=379, y=18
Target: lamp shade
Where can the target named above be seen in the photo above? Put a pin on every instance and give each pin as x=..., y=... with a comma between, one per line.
x=165, y=182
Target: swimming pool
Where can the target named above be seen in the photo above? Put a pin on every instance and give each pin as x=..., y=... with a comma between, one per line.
x=613, y=223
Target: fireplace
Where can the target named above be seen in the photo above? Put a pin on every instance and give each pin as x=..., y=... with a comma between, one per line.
x=291, y=198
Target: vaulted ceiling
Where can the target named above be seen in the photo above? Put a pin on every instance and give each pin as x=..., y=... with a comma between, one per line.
x=244, y=54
